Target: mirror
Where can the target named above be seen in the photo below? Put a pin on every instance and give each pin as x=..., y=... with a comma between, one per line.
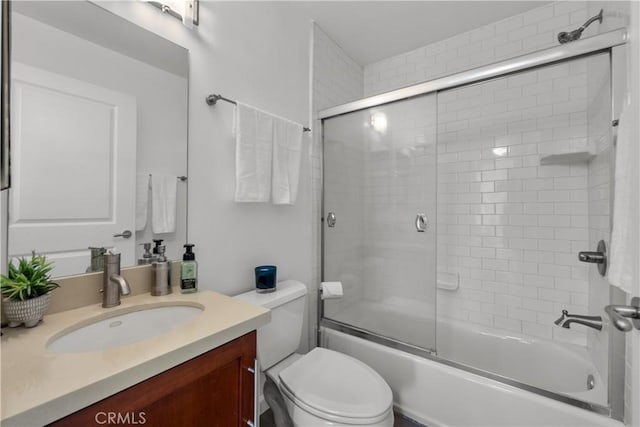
x=99, y=136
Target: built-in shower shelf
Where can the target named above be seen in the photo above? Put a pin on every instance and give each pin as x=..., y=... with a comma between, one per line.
x=567, y=158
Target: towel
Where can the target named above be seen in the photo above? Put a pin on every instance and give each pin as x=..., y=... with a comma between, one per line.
x=163, y=203
x=142, y=200
x=254, y=148
x=287, y=154
x=620, y=267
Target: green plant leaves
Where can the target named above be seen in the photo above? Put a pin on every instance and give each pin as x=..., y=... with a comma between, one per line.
x=29, y=279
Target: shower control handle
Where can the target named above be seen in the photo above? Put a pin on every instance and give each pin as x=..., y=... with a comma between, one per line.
x=421, y=223
x=598, y=257
x=592, y=257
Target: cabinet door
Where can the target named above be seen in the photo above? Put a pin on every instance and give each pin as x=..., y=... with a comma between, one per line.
x=213, y=389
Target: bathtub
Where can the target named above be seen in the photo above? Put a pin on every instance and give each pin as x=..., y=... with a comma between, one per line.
x=437, y=394
x=545, y=364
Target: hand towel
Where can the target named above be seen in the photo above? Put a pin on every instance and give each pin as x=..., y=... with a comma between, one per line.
x=287, y=154
x=142, y=200
x=621, y=263
x=254, y=148
x=163, y=203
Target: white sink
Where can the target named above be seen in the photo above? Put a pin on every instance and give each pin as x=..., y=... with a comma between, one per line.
x=130, y=326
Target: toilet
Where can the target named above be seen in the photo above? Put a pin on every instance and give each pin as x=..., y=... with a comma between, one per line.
x=322, y=387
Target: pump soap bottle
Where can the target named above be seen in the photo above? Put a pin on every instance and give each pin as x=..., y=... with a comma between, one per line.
x=161, y=274
x=147, y=258
x=189, y=271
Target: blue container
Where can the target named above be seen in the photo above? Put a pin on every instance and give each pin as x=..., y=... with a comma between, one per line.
x=266, y=276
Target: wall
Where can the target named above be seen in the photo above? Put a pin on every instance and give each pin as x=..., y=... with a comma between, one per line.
x=336, y=79
x=524, y=33
x=255, y=53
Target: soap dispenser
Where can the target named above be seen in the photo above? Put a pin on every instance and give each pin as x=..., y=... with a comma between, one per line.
x=154, y=254
x=147, y=257
x=161, y=268
x=189, y=271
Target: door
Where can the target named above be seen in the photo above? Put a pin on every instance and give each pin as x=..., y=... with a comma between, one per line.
x=379, y=207
x=64, y=129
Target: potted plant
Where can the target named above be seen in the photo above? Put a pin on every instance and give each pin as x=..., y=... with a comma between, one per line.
x=26, y=291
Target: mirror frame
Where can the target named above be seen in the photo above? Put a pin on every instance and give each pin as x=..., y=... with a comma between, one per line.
x=5, y=177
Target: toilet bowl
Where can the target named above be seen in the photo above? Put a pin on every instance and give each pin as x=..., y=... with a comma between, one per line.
x=322, y=387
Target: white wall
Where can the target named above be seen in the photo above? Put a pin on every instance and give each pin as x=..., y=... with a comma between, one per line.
x=258, y=54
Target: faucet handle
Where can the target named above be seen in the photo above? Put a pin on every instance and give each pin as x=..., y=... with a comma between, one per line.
x=620, y=315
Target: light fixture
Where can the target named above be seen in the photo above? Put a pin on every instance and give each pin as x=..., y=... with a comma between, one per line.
x=379, y=122
x=185, y=10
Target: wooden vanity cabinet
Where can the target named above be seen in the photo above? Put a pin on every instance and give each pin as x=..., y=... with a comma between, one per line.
x=213, y=389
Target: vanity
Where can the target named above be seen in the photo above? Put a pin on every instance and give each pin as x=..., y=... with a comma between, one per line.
x=197, y=373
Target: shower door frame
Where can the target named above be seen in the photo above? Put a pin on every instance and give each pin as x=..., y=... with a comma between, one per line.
x=609, y=43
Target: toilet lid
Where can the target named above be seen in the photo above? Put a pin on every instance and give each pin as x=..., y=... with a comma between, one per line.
x=335, y=386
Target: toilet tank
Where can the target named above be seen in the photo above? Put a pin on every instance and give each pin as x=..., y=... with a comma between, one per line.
x=280, y=337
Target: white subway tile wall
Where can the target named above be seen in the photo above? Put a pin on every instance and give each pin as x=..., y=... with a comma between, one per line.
x=509, y=225
x=520, y=34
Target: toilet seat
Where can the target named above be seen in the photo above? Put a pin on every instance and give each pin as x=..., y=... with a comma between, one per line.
x=337, y=388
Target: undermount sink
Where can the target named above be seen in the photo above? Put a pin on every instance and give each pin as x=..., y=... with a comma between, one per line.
x=128, y=326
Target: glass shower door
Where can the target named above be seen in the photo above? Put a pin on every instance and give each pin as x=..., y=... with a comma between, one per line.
x=379, y=219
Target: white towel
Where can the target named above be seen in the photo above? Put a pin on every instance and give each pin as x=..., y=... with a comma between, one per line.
x=287, y=154
x=254, y=148
x=142, y=200
x=621, y=263
x=163, y=203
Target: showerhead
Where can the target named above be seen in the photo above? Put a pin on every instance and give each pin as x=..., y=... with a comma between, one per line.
x=565, y=37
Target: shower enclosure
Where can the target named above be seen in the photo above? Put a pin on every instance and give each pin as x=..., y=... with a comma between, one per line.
x=454, y=211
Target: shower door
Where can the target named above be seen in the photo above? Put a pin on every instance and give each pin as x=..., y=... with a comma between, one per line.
x=379, y=219
x=524, y=171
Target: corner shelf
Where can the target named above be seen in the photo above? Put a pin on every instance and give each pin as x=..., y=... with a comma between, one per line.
x=567, y=158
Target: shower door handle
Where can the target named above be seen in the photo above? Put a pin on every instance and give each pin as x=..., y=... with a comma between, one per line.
x=331, y=219
x=421, y=223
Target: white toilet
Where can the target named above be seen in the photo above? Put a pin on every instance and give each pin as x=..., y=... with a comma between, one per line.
x=322, y=387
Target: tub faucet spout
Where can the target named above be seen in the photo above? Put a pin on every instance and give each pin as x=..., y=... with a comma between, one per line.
x=567, y=319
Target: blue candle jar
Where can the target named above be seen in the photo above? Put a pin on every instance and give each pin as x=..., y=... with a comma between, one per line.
x=266, y=276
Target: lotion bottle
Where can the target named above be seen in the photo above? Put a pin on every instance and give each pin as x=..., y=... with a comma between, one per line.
x=189, y=271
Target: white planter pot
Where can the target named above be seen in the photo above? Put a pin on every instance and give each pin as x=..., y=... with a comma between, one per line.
x=29, y=312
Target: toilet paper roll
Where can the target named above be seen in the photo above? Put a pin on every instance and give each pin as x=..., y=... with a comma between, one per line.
x=331, y=290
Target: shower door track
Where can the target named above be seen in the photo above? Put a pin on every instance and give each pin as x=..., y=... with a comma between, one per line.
x=563, y=52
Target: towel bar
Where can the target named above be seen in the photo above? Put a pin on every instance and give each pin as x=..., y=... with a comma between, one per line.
x=214, y=98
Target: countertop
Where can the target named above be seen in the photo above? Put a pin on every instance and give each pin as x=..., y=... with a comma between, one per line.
x=40, y=386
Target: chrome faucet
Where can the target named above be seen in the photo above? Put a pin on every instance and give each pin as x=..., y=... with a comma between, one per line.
x=113, y=284
x=567, y=319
